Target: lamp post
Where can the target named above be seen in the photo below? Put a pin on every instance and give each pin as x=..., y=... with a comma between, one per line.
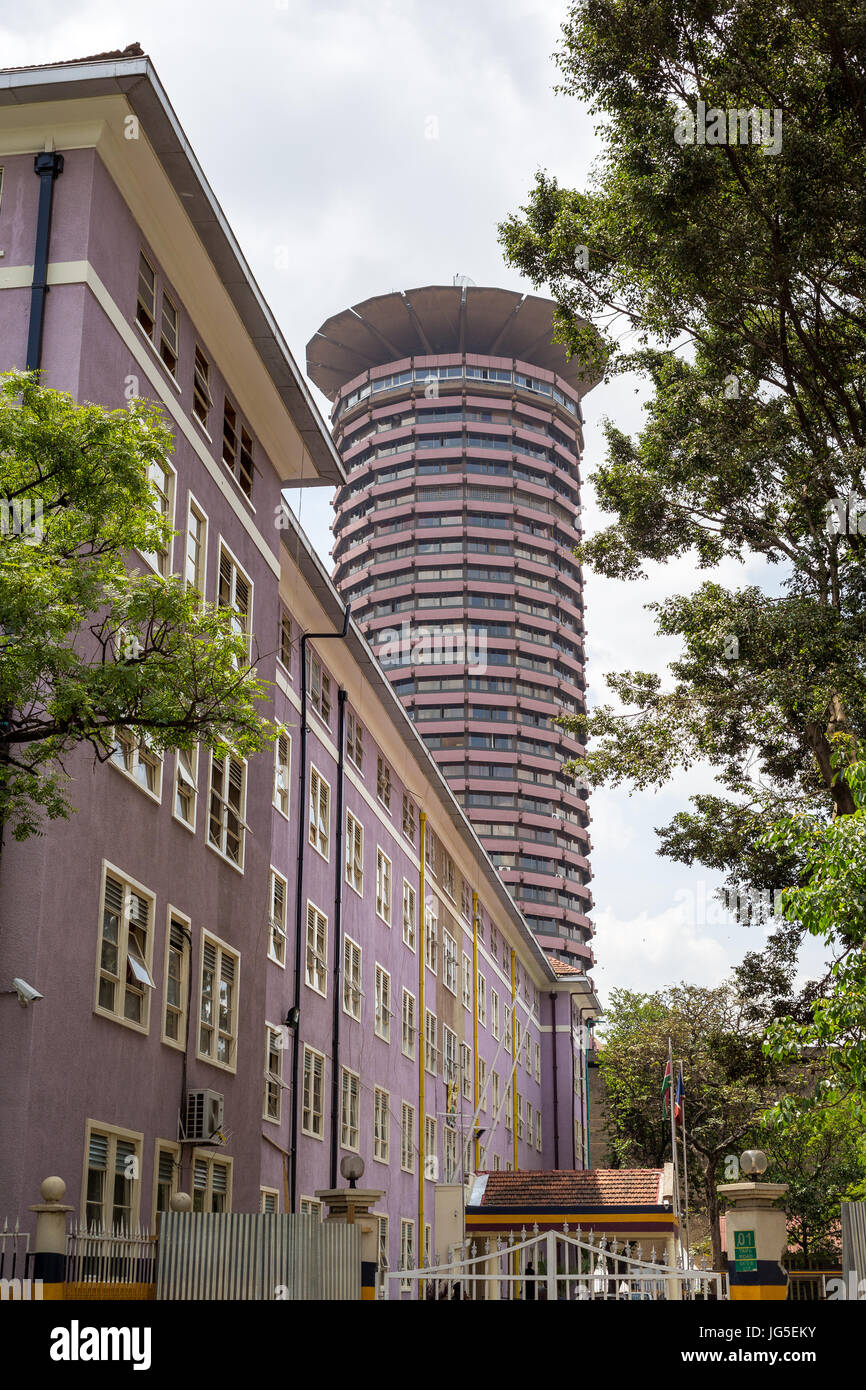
x=756, y=1230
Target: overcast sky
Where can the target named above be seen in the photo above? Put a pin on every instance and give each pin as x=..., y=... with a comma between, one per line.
x=376, y=146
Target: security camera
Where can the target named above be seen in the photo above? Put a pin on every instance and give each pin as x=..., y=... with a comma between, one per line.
x=26, y=993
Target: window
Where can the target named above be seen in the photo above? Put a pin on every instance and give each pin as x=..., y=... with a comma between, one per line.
x=467, y=981
x=134, y=756
x=236, y=594
x=383, y=783
x=508, y=1107
x=494, y=1091
x=318, y=686
x=186, y=785
x=269, y=1200
x=211, y=1183
x=449, y=1053
x=408, y=819
x=518, y=1044
x=519, y=1115
x=317, y=950
x=277, y=922
x=319, y=813
x=482, y=1085
x=145, y=308
x=228, y=791
x=177, y=955
x=381, y=1125
x=168, y=335
x=313, y=1117
x=482, y=1000
x=529, y=1124
x=407, y=1250
x=383, y=1004
x=497, y=1163
x=125, y=951
x=466, y=901
x=383, y=1241
x=166, y=1172
x=112, y=1180
x=201, y=396
x=448, y=874
x=430, y=851
x=354, y=741
x=217, y=1034
x=282, y=772
x=507, y=1029
x=449, y=961
x=408, y=915
x=431, y=947
x=494, y=1014
x=237, y=453
x=408, y=1024
x=351, y=978
x=538, y=1130
x=273, y=1102
x=196, y=548
x=309, y=1206
x=350, y=1100
x=527, y=1053
x=466, y=1070
x=449, y=1154
x=383, y=886
x=431, y=1052
x=285, y=652
x=407, y=1137
x=537, y=1048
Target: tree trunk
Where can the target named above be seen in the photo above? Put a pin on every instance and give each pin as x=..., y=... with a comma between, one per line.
x=819, y=743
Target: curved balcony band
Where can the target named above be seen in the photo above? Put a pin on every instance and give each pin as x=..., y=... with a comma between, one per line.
x=460, y=427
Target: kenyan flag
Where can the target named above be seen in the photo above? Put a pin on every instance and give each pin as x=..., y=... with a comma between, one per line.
x=666, y=1090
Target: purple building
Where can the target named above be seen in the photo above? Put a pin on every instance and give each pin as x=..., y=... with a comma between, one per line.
x=248, y=969
x=459, y=424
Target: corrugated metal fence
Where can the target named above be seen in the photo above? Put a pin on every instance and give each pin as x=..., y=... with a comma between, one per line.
x=270, y=1255
x=854, y=1244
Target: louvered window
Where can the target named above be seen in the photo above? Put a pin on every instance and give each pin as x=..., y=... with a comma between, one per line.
x=354, y=853
x=449, y=1054
x=125, y=946
x=314, y=1082
x=494, y=1014
x=282, y=772
x=383, y=886
x=318, y=686
x=349, y=1109
x=407, y=1138
x=431, y=944
x=317, y=950
x=235, y=594
x=277, y=924
x=383, y=1004
x=431, y=1051
x=352, y=978
x=168, y=335
x=467, y=981
x=408, y=819
x=185, y=785
x=166, y=1181
x=466, y=1070
x=319, y=813
x=113, y=1181
x=407, y=1250
x=482, y=1000
x=409, y=915
x=218, y=1010
x=201, y=396
x=285, y=639
x=449, y=962
x=354, y=741
x=211, y=1184
x=227, y=827
x=482, y=1084
x=237, y=449
x=176, y=984
x=145, y=308
x=381, y=1125
x=408, y=1039
x=383, y=782
x=273, y=1074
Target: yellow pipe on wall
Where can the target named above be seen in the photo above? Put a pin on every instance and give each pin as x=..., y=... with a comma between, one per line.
x=420, y=1026
x=514, y=1051
x=475, y=1011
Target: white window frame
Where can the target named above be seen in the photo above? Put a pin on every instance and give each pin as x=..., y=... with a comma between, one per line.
x=410, y=915
x=211, y=1162
x=277, y=931
x=382, y=1024
x=132, y=1172
x=319, y=700
x=537, y=1047
x=408, y=1024
x=274, y=1084
x=494, y=1015
x=160, y=561
x=384, y=783
x=350, y=1110
x=223, y=949
x=182, y=777
x=431, y=937
x=352, y=957
x=138, y=964
x=238, y=814
x=482, y=1085
x=132, y=752
x=282, y=797
x=354, y=741
x=317, y=1115
x=194, y=506
x=316, y=959
x=482, y=1000
x=467, y=981
x=269, y=1200
x=354, y=854
x=381, y=1125
x=407, y=1249
x=181, y=1010
x=384, y=886
x=319, y=826
x=243, y=621
x=449, y=1054
x=407, y=1137
x=431, y=1050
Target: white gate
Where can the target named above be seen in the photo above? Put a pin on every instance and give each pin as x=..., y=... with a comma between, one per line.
x=553, y=1266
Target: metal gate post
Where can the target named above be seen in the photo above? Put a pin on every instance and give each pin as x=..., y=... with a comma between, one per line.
x=551, y=1266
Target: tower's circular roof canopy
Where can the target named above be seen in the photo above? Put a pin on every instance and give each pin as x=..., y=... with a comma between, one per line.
x=439, y=319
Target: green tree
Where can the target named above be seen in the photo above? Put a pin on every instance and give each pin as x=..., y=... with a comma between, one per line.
x=92, y=640
x=729, y=1081
x=732, y=277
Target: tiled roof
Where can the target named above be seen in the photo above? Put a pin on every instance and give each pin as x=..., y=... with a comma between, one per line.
x=562, y=967
x=132, y=50
x=593, y=1187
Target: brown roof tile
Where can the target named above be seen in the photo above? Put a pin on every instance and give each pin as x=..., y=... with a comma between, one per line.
x=132, y=50
x=593, y=1187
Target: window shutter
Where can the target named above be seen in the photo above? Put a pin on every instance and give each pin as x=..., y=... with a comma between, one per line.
x=227, y=969
x=125, y=1150
x=200, y=1174
x=210, y=956
x=220, y=1178
x=98, y=1152
x=176, y=937
x=166, y=1166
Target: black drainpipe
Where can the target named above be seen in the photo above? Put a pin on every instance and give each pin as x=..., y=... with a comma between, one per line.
x=299, y=914
x=48, y=166
x=555, y=1084
x=338, y=932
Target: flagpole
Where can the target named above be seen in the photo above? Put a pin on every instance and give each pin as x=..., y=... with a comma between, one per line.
x=685, y=1167
x=674, y=1135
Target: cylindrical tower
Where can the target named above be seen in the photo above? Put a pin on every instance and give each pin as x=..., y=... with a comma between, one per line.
x=459, y=424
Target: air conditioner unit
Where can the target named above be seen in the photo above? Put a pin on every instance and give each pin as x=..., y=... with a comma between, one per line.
x=204, y=1115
